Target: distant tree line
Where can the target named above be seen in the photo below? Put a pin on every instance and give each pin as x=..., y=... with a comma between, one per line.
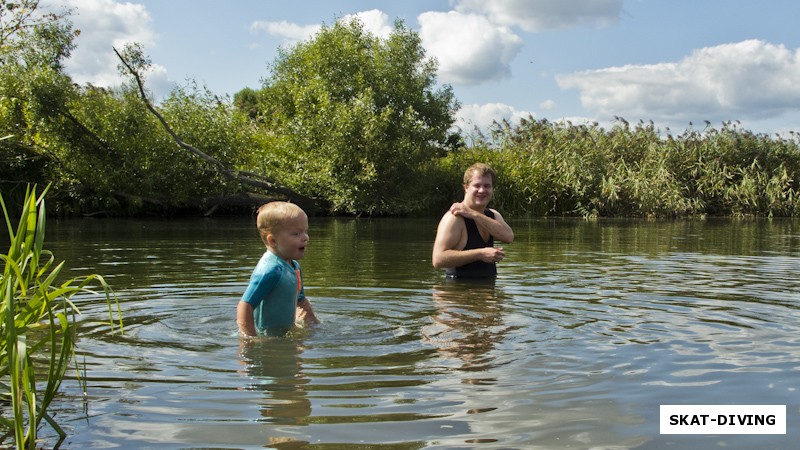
x=349, y=123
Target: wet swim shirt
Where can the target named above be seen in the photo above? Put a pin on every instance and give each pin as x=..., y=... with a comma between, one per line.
x=274, y=290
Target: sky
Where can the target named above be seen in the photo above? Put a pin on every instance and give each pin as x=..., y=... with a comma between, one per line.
x=677, y=63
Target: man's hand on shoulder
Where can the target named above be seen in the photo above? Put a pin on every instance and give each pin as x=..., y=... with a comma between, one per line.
x=461, y=210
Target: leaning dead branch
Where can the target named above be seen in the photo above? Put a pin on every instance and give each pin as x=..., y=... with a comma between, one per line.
x=247, y=178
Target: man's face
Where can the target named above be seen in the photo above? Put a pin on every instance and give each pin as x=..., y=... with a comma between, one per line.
x=478, y=192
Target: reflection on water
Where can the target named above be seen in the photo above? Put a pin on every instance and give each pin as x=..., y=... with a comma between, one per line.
x=588, y=329
x=467, y=323
x=275, y=369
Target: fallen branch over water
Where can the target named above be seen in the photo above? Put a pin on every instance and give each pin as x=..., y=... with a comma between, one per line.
x=247, y=178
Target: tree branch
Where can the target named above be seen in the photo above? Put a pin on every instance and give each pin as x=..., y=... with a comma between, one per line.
x=247, y=178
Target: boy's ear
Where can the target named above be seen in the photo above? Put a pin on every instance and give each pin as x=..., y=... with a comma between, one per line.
x=270, y=240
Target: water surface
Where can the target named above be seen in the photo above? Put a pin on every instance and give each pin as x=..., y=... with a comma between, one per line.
x=588, y=329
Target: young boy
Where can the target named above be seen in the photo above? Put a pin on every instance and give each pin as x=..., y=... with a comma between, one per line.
x=274, y=299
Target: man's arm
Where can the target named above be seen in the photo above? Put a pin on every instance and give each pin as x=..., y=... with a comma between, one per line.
x=445, y=251
x=497, y=227
x=244, y=319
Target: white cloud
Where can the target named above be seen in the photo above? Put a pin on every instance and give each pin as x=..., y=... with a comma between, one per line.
x=470, y=117
x=541, y=15
x=548, y=105
x=747, y=80
x=290, y=32
x=469, y=48
x=105, y=25
x=374, y=21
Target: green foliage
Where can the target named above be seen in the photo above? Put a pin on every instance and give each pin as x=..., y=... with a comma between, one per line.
x=246, y=102
x=33, y=45
x=146, y=165
x=32, y=36
x=352, y=118
x=563, y=169
x=102, y=150
x=37, y=323
x=358, y=123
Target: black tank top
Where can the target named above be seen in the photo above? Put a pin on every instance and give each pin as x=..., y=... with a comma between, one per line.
x=475, y=269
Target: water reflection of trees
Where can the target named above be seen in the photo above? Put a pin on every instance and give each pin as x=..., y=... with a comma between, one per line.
x=467, y=324
x=556, y=238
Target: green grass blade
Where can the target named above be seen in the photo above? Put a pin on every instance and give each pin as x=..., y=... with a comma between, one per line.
x=37, y=318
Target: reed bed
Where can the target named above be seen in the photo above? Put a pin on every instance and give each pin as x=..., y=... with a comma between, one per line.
x=557, y=168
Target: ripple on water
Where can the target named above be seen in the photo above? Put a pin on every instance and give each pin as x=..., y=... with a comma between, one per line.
x=574, y=346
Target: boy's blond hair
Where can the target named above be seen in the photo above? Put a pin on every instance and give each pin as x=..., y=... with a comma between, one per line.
x=271, y=216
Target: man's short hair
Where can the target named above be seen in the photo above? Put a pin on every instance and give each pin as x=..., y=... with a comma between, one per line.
x=482, y=169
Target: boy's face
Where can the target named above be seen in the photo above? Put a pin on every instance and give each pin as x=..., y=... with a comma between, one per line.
x=478, y=192
x=290, y=240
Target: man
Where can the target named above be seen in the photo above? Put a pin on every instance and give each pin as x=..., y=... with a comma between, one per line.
x=465, y=237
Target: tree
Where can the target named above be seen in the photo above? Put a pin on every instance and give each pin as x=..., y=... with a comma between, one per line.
x=22, y=18
x=33, y=45
x=356, y=119
x=214, y=122
x=246, y=102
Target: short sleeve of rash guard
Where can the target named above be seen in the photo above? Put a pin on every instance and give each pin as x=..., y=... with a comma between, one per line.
x=261, y=284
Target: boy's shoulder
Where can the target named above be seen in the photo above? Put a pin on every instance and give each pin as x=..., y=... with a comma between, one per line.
x=267, y=262
x=270, y=259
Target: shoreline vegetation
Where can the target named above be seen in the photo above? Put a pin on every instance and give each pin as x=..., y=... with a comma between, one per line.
x=545, y=169
x=562, y=169
x=38, y=332
x=351, y=125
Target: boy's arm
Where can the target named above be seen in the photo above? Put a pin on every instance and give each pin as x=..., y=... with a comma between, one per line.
x=306, y=313
x=244, y=318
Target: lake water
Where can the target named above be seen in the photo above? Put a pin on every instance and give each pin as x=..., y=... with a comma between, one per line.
x=590, y=327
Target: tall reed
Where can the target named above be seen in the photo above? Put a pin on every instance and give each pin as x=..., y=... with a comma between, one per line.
x=557, y=168
x=37, y=323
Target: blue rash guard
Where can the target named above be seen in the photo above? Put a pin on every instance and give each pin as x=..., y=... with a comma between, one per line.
x=275, y=289
x=475, y=269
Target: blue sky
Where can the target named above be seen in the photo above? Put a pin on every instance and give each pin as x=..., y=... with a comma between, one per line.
x=669, y=61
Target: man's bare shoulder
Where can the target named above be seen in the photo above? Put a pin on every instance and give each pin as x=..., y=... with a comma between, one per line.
x=450, y=221
x=450, y=232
